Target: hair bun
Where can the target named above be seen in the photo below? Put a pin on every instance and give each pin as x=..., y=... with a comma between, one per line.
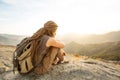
x=50, y=24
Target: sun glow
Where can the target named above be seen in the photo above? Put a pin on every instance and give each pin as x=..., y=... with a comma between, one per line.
x=72, y=16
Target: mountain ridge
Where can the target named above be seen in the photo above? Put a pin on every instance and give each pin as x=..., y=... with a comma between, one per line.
x=92, y=38
x=9, y=39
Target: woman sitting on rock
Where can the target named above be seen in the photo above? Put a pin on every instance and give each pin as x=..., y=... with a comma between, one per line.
x=45, y=42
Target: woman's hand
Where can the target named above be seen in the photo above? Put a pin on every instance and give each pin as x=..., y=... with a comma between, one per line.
x=64, y=53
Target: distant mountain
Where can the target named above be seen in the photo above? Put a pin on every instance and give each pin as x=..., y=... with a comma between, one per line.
x=108, y=50
x=88, y=39
x=7, y=39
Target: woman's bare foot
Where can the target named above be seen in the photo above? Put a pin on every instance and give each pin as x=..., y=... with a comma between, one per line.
x=56, y=61
x=61, y=62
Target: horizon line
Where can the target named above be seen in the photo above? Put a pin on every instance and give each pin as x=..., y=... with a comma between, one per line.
x=64, y=33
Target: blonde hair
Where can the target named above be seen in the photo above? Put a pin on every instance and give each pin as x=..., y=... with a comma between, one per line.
x=49, y=28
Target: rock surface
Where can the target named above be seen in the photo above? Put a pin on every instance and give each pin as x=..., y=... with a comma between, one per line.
x=79, y=68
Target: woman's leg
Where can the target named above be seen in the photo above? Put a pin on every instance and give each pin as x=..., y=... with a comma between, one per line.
x=61, y=55
x=47, y=61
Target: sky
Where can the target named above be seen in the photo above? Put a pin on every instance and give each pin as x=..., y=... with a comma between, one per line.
x=24, y=17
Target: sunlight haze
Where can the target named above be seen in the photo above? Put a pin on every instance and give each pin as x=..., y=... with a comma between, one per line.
x=24, y=17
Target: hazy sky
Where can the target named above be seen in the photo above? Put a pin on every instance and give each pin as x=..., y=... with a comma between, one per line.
x=79, y=16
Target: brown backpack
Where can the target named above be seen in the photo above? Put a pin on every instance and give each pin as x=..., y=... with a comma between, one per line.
x=22, y=57
x=22, y=61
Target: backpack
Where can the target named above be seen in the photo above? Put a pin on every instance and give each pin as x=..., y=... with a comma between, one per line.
x=22, y=57
x=22, y=61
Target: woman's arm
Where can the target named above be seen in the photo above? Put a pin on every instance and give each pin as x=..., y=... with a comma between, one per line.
x=55, y=43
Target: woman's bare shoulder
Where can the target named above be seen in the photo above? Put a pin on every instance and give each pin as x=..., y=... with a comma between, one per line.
x=53, y=42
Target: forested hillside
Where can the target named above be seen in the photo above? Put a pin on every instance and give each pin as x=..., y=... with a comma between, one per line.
x=108, y=50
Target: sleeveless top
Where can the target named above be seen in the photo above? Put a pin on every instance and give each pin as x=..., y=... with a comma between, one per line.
x=43, y=43
x=43, y=49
